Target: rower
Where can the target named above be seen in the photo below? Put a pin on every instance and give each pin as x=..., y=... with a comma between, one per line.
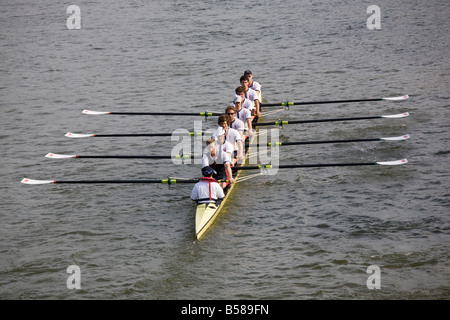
x=245, y=103
x=207, y=189
x=253, y=84
x=244, y=115
x=218, y=157
x=232, y=136
x=251, y=94
x=236, y=123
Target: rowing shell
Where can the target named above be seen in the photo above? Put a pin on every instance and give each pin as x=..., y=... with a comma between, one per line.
x=206, y=213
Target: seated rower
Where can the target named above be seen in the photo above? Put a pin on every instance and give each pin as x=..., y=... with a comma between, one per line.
x=251, y=94
x=207, y=189
x=232, y=136
x=236, y=123
x=253, y=84
x=244, y=115
x=219, y=158
x=245, y=103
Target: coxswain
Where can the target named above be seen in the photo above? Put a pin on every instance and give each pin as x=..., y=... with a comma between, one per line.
x=251, y=94
x=218, y=157
x=207, y=189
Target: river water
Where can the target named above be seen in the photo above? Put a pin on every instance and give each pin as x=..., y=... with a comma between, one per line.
x=299, y=234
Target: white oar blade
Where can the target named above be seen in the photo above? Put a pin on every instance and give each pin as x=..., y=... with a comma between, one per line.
x=397, y=98
x=60, y=156
x=96, y=113
x=404, y=137
x=393, y=163
x=401, y=115
x=78, y=135
x=31, y=181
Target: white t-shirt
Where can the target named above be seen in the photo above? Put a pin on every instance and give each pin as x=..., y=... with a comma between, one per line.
x=223, y=155
x=247, y=104
x=238, y=125
x=207, y=190
x=256, y=86
x=252, y=95
x=243, y=115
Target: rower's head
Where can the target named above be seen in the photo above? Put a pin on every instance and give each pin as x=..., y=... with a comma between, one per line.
x=249, y=74
x=211, y=146
x=237, y=102
x=208, y=171
x=224, y=121
x=231, y=111
x=245, y=82
x=240, y=91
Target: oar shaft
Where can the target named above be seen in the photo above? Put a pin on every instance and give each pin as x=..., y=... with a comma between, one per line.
x=287, y=104
x=283, y=122
x=166, y=181
x=283, y=104
x=313, y=165
x=124, y=157
x=324, y=141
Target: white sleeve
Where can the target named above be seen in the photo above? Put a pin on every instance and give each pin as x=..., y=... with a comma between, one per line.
x=219, y=191
x=194, y=193
x=205, y=161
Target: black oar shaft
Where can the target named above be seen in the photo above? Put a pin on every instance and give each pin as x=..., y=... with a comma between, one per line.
x=124, y=157
x=165, y=113
x=281, y=104
x=167, y=181
x=282, y=122
x=147, y=134
x=314, y=165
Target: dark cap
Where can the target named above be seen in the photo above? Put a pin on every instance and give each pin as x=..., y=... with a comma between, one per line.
x=247, y=72
x=207, y=171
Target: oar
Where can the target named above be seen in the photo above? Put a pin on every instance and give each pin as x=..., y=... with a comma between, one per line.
x=88, y=135
x=319, y=165
x=173, y=181
x=287, y=104
x=121, y=113
x=67, y=156
x=164, y=181
x=284, y=122
x=273, y=144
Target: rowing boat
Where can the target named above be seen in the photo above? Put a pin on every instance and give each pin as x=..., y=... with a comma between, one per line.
x=206, y=213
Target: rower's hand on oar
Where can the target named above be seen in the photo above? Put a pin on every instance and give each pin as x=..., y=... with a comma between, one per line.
x=231, y=180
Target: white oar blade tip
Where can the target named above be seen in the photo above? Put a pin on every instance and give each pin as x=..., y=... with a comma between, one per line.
x=401, y=98
x=94, y=112
x=393, y=116
x=78, y=135
x=31, y=181
x=59, y=156
x=393, y=163
x=404, y=137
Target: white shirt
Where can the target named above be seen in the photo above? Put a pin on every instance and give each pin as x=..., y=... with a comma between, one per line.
x=252, y=95
x=207, y=190
x=243, y=115
x=256, y=86
x=233, y=136
x=238, y=125
x=247, y=104
x=223, y=155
